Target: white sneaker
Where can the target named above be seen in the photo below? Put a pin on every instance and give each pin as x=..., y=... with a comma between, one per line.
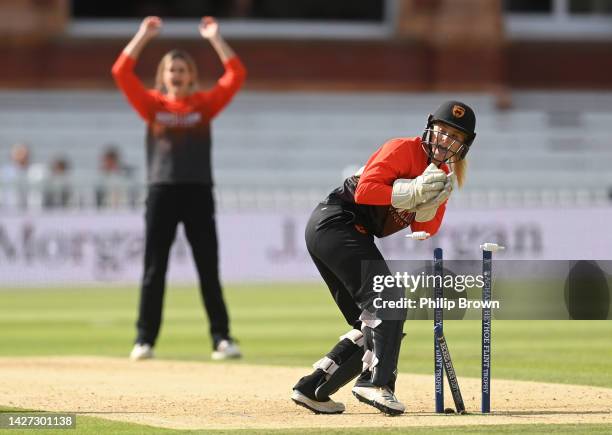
x=327, y=407
x=141, y=351
x=226, y=349
x=381, y=398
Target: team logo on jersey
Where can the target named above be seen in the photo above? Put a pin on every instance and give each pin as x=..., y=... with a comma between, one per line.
x=458, y=111
x=170, y=119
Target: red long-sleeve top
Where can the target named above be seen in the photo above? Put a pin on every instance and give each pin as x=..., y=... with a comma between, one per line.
x=372, y=190
x=178, y=131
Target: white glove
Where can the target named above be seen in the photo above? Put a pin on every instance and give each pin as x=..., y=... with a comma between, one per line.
x=408, y=194
x=427, y=211
x=425, y=215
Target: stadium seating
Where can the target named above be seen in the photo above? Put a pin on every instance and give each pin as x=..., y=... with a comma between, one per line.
x=286, y=149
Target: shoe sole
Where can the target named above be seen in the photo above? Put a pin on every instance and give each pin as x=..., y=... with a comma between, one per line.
x=141, y=358
x=216, y=357
x=297, y=399
x=379, y=406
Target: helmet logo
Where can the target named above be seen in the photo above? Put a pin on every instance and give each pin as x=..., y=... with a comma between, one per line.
x=458, y=111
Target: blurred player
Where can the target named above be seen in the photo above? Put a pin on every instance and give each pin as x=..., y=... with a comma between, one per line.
x=405, y=183
x=178, y=117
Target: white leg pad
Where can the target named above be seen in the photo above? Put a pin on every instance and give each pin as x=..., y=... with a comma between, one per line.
x=369, y=360
x=326, y=364
x=355, y=336
x=368, y=319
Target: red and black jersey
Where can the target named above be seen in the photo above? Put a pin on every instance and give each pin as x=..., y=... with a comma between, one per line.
x=368, y=195
x=178, y=131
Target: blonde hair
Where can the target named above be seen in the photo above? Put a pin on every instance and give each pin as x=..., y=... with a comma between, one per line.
x=460, y=168
x=169, y=57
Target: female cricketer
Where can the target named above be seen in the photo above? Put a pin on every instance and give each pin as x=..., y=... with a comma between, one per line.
x=178, y=142
x=405, y=183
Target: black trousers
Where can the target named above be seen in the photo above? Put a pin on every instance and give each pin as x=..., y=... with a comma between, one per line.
x=340, y=253
x=166, y=206
x=348, y=260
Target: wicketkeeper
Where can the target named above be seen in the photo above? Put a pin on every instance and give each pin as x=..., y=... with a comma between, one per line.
x=405, y=183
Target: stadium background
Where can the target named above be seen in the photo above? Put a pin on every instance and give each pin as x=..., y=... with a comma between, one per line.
x=328, y=83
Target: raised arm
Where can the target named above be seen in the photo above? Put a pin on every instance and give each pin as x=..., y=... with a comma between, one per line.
x=209, y=29
x=235, y=73
x=123, y=69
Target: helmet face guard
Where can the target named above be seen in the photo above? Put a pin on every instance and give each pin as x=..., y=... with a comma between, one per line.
x=444, y=144
x=453, y=114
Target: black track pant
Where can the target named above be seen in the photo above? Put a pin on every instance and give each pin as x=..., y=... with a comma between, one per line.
x=167, y=205
x=340, y=252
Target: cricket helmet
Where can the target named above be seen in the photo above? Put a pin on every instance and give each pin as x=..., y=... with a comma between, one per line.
x=455, y=114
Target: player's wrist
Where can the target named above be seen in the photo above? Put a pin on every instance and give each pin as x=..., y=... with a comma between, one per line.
x=215, y=40
x=144, y=35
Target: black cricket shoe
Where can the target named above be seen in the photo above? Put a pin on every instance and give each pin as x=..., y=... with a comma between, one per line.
x=303, y=394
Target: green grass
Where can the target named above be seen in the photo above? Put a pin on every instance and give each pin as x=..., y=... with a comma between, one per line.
x=290, y=325
x=90, y=425
x=93, y=425
x=294, y=325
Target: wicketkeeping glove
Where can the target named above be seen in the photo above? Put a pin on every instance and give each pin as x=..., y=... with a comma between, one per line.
x=408, y=194
x=426, y=211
